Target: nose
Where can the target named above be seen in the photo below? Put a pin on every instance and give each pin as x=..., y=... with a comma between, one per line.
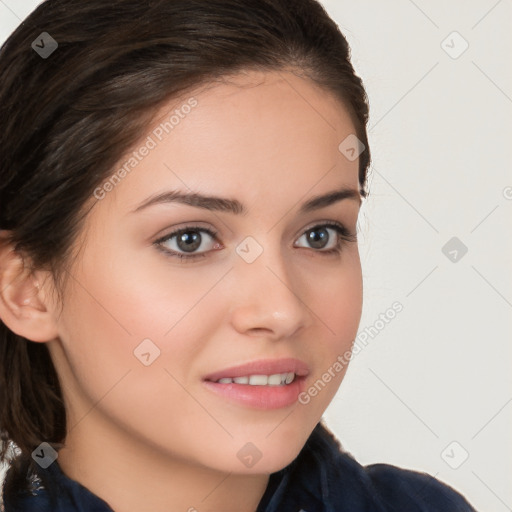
x=267, y=296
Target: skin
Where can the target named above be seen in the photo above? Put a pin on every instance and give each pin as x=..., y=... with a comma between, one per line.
x=152, y=437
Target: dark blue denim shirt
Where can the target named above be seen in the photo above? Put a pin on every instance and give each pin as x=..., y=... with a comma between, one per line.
x=323, y=478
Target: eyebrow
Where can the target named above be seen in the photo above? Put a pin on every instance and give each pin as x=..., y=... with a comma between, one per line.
x=234, y=206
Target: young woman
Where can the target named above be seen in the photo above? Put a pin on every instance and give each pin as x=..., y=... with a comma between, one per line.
x=180, y=283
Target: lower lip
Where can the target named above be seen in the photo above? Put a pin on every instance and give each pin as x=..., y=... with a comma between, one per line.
x=259, y=397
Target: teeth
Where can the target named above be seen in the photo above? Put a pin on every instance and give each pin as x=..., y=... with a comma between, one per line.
x=277, y=379
x=274, y=380
x=258, y=380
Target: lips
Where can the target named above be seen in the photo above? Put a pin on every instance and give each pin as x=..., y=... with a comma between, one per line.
x=255, y=385
x=266, y=367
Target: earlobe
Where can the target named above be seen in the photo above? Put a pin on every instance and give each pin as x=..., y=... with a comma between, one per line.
x=22, y=302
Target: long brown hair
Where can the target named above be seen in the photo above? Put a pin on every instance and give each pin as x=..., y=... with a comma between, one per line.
x=66, y=119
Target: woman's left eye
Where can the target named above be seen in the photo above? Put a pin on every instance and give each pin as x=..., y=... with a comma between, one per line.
x=184, y=242
x=318, y=235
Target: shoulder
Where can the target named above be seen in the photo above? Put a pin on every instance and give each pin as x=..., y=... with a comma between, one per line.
x=414, y=490
x=384, y=487
x=50, y=490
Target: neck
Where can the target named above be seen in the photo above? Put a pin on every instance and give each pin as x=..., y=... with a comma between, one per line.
x=130, y=476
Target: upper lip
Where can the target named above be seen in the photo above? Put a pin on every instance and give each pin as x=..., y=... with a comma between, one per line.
x=262, y=367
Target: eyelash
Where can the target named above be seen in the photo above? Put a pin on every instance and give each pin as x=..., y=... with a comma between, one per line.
x=344, y=236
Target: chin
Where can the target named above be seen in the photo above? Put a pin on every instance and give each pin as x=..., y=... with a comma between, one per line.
x=267, y=455
x=279, y=461
x=266, y=465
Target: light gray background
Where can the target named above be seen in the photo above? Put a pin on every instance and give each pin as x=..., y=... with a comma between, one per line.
x=440, y=135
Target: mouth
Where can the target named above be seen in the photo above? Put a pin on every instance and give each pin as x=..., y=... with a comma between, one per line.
x=277, y=379
x=264, y=384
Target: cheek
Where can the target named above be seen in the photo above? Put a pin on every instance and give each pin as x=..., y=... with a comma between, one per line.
x=337, y=301
x=110, y=311
x=103, y=326
x=338, y=306
x=152, y=296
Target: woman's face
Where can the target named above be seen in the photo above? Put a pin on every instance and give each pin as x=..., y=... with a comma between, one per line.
x=144, y=335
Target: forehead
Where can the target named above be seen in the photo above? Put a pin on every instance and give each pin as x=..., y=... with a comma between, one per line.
x=260, y=135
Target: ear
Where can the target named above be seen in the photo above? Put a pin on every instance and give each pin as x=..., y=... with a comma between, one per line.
x=24, y=307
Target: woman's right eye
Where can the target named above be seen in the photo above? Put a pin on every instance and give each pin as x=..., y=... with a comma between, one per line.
x=186, y=239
